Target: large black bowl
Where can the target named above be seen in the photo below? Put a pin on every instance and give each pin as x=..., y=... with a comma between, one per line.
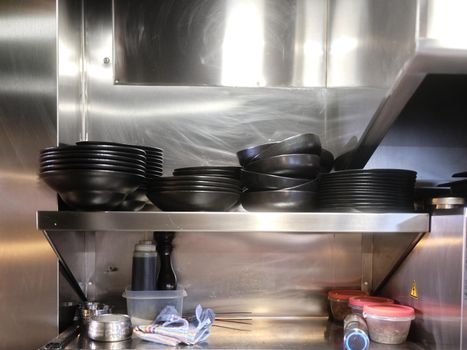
x=92, y=180
x=255, y=181
x=282, y=200
x=327, y=160
x=194, y=200
x=246, y=155
x=298, y=144
x=305, y=166
x=195, y=188
x=93, y=200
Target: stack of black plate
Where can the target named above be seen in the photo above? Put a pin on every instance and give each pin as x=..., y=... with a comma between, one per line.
x=93, y=176
x=281, y=176
x=373, y=190
x=194, y=193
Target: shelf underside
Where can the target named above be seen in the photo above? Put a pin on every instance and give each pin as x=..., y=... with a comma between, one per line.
x=261, y=333
x=232, y=222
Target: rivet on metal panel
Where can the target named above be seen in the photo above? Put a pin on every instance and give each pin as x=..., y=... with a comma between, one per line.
x=106, y=60
x=116, y=81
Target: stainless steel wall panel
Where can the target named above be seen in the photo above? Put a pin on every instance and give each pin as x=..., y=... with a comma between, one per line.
x=267, y=274
x=71, y=86
x=435, y=265
x=28, y=267
x=369, y=41
x=221, y=42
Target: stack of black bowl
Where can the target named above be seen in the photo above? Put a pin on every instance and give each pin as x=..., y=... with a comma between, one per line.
x=93, y=175
x=197, y=189
x=154, y=169
x=367, y=190
x=281, y=176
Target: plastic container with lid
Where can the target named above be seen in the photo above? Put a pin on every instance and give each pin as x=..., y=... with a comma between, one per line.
x=388, y=323
x=144, y=306
x=357, y=303
x=339, y=299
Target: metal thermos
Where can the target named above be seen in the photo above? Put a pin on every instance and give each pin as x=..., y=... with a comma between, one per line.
x=144, y=270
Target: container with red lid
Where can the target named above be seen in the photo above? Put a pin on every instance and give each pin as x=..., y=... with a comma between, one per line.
x=388, y=323
x=339, y=301
x=357, y=303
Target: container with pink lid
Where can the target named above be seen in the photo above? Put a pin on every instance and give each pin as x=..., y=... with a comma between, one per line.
x=357, y=303
x=388, y=323
x=339, y=301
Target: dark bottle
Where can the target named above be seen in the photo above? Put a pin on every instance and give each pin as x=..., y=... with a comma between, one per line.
x=166, y=279
x=144, y=268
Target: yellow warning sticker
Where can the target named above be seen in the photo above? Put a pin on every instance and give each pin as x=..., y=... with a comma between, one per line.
x=413, y=290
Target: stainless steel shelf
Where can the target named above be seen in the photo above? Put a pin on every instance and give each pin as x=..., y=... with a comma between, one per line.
x=263, y=333
x=232, y=222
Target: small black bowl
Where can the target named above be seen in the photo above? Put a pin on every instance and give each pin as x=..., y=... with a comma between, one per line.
x=246, y=155
x=255, y=181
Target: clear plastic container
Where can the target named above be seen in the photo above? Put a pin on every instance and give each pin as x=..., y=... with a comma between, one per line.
x=339, y=302
x=357, y=303
x=388, y=324
x=144, y=306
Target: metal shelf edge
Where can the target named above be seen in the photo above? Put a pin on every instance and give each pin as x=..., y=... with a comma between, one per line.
x=232, y=222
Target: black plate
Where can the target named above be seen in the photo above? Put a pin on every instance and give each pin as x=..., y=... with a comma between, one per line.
x=296, y=201
x=461, y=174
x=304, y=166
x=394, y=172
x=368, y=209
x=230, y=174
x=327, y=160
x=151, y=149
x=194, y=200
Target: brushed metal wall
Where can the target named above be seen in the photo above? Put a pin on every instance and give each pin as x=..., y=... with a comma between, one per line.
x=436, y=265
x=28, y=267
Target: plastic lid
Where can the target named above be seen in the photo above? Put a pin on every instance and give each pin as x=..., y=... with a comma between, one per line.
x=344, y=295
x=145, y=246
x=389, y=310
x=361, y=301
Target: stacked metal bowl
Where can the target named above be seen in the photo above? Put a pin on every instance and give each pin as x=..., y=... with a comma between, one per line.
x=282, y=176
x=205, y=188
x=96, y=175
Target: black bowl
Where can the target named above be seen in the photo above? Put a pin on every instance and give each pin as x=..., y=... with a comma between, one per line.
x=282, y=200
x=86, y=146
x=305, y=166
x=258, y=181
x=77, y=166
x=92, y=180
x=155, y=184
x=327, y=160
x=194, y=200
x=196, y=178
x=93, y=200
x=298, y=144
x=92, y=161
x=131, y=205
x=195, y=188
x=246, y=155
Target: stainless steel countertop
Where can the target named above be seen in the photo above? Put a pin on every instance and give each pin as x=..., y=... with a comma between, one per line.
x=263, y=333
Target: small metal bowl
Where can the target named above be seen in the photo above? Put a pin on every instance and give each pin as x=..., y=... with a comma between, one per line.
x=92, y=308
x=110, y=327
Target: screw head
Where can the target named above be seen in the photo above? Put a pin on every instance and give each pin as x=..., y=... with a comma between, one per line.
x=106, y=60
